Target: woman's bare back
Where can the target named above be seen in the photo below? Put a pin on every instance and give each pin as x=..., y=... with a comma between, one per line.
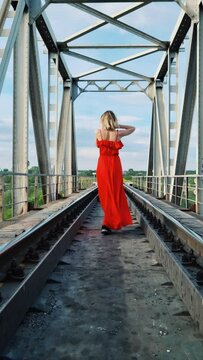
x=110, y=135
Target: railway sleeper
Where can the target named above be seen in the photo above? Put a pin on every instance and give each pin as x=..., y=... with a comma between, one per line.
x=15, y=272
x=182, y=262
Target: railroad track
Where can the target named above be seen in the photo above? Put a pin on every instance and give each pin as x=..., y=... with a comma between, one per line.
x=27, y=262
x=178, y=247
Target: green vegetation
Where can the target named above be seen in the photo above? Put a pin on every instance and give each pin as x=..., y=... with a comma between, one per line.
x=7, y=191
x=85, y=179
x=130, y=172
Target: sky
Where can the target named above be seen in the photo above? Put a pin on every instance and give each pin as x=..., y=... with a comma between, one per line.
x=157, y=19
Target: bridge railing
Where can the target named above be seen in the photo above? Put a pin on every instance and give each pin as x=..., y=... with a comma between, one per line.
x=181, y=190
x=36, y=190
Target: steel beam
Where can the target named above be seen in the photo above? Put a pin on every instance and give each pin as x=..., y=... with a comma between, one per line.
x=20, y=117
x=182, y=26
x=38, y=110
x=36, y=9
x=48, y=37
x=74, y=154
x=161, y=127
x=107, y=46
x=118, y=62
x=68, y=161
x=105, y=88
x=11, y=40
x=157, y=165
x=151, y=145
x=100, y=1
x=120, y=24
x=101, y=23
x=52, y=121
x=173, y=108
x=186, y=117
x=61, y=140
x=199, y=191
x=4, y=13
x=190, y=7
x=105, y=65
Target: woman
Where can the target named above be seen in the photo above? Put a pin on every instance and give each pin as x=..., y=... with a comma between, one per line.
x=109, y=173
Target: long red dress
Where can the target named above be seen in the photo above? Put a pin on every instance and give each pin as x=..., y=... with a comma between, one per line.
x=110, y=185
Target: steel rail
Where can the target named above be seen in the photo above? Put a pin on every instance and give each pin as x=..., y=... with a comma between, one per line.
x=192, y=239
x=56, y=233
x=173, y=244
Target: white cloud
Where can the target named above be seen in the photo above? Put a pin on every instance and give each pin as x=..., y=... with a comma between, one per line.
x=131, y=108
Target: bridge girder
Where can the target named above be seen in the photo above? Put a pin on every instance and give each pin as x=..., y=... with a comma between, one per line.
x=73, y=86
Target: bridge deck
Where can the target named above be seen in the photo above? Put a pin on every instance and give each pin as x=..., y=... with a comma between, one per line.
x=107, y=299
x=9, y=229
x=187, y=218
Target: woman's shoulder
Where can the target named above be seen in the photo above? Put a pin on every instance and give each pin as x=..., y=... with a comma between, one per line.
x=98, y=133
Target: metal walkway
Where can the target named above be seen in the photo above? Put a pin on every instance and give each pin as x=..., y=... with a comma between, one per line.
x=108, y=299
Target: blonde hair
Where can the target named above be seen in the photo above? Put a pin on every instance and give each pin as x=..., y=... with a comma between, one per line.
x=109, y=120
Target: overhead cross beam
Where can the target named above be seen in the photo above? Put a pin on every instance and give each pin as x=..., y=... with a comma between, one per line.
x=105, y=65
x=120, y=24
x=99, y=1
x=103, y=85
x=101, y=23
x=113, y=64
x=107, y=46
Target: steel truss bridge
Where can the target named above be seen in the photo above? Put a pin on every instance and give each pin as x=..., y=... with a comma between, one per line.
x=56, y=139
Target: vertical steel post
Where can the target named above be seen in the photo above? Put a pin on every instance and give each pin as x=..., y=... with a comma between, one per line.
x=35, y=191
x=150, y=169
x=173, y=91
x=172, y=108
x=53, y=107
x=68, y=151
x=186, y=118
x=162, y=133
x=74, y=155
x=61, y=139
x=38, y=111
x=199, y=190
x=156, y=150
x=20, y=117
x=1, y=197
x=48, y=189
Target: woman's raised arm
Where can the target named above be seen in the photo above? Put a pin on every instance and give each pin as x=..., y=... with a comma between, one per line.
x=127, y=130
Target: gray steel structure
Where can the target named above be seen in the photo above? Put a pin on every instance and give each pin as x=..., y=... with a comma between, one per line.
x=55, y=136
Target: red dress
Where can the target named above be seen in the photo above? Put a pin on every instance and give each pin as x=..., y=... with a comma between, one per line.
x=110, y=185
